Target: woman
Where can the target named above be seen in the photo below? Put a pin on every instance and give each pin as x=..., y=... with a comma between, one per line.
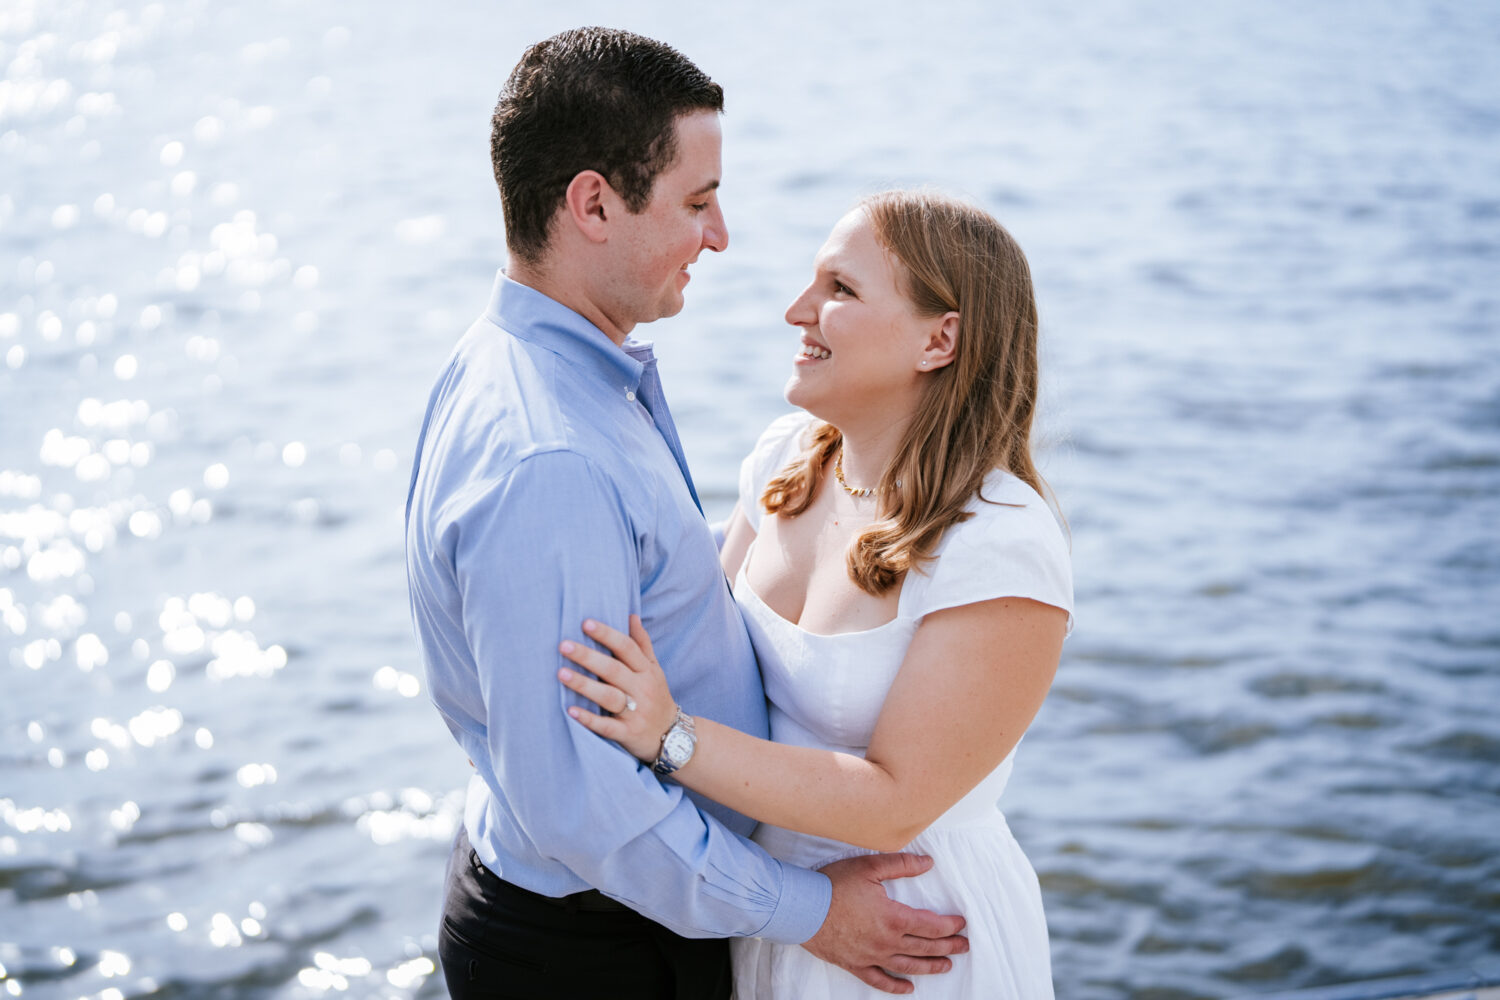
x=906, y=587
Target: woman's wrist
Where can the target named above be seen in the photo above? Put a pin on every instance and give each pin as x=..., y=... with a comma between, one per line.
x=678, y=743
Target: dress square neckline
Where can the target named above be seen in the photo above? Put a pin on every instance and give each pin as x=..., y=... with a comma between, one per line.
x=744, y=576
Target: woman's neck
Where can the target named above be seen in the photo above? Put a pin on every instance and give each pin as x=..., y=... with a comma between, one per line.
x=866, y=451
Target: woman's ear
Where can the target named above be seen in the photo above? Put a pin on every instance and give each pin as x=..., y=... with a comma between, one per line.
x=942, y=344
x=588, y=203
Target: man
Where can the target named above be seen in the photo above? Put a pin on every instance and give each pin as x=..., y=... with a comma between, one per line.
x=550, y=486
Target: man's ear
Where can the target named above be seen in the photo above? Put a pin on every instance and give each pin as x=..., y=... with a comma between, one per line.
x=942, y=344
x=589, y=203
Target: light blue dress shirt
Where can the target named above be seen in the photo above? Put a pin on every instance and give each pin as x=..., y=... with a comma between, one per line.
x=549, y=486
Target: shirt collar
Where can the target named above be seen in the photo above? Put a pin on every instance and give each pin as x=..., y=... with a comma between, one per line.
x=526, y=313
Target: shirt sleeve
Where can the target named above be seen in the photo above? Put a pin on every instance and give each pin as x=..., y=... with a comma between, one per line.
x=1009, y=548
x=543, y=548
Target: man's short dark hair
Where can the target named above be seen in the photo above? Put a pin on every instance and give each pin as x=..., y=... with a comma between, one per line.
x=589, y=99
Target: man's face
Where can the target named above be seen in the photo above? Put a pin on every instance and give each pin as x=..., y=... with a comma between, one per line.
x=680, y=221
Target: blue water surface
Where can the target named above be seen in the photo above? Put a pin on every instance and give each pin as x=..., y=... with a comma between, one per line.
x=238, y=239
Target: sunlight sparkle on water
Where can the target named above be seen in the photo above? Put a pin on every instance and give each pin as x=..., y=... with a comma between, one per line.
x=253, y=834
x=237, y=654
x=159, y=675
x=331, y=973
x=412, y=973
x=116, y=735
x=113, y=963
x=123, y=818
x=252, y=775
x=388, y=678
x=33, y=820
x=63, y=614
x=145, y=524
x=90, y=652
x=12, y=615
x=223, y=933
x=154, y=725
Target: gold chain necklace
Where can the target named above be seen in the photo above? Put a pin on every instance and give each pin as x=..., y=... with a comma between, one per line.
x=853, y=491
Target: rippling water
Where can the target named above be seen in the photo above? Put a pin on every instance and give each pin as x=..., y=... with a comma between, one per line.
x=237, y=241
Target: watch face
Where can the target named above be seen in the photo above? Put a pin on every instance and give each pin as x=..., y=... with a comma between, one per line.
x=678, y=747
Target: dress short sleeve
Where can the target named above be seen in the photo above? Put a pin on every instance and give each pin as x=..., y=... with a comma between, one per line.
x=779, y=444
x=1013, y=548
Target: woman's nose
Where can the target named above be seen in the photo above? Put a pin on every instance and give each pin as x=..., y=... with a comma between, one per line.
x=801, y=312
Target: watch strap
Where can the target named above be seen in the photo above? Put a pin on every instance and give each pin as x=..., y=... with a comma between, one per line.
x=666, y=762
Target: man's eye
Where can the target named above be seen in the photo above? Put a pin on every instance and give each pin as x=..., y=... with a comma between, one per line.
x=699, y=208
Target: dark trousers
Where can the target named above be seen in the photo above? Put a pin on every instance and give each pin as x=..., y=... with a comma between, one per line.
x=501, y=942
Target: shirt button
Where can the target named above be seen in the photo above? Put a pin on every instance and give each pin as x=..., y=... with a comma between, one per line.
x=630, y=395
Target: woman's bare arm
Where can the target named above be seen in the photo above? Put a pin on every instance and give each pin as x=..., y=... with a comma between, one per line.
x=737, y=538
x=973, y=679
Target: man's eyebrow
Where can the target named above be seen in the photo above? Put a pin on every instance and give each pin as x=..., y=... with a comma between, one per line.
x=711, y=185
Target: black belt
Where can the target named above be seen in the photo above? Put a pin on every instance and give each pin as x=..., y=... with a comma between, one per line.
x=587, y=901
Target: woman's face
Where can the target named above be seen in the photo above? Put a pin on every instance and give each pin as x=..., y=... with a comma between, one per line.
x=863, y=344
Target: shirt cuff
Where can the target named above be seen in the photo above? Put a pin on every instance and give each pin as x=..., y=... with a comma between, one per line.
x=805, y=898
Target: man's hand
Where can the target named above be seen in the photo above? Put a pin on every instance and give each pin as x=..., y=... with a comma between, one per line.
x=872, y=936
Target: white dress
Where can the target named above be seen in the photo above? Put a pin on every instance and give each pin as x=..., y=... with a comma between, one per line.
x=826, y=691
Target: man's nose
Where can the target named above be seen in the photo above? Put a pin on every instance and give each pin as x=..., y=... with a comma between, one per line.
x=716, y=233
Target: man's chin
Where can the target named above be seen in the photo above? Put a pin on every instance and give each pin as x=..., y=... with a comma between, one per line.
x=672, y=306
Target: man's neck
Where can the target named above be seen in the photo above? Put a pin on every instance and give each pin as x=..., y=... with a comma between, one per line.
x=552, y=281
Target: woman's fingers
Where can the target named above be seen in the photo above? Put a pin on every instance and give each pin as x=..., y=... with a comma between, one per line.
x=618, y=643
x=607, y=697
x=603, y=665
x=610, y=729
x=638, y=633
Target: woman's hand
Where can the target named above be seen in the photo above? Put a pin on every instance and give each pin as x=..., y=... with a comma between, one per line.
x=631, y=686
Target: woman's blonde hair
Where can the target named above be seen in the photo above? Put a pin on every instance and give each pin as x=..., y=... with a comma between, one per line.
x=976, y=412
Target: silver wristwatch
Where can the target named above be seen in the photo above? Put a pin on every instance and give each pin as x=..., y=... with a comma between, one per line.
x=677, y=744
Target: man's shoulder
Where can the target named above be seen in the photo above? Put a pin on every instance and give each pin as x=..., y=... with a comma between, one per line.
x=499, y=398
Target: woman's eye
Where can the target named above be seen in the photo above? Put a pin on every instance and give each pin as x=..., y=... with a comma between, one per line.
x=841, y=288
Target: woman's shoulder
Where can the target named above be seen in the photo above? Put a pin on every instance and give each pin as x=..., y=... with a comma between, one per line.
x=784, y=434
x=1011, y=545
x=777, y=445
x=1006, y=502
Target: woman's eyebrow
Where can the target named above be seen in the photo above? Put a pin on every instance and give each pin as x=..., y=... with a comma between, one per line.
x=842, y=277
